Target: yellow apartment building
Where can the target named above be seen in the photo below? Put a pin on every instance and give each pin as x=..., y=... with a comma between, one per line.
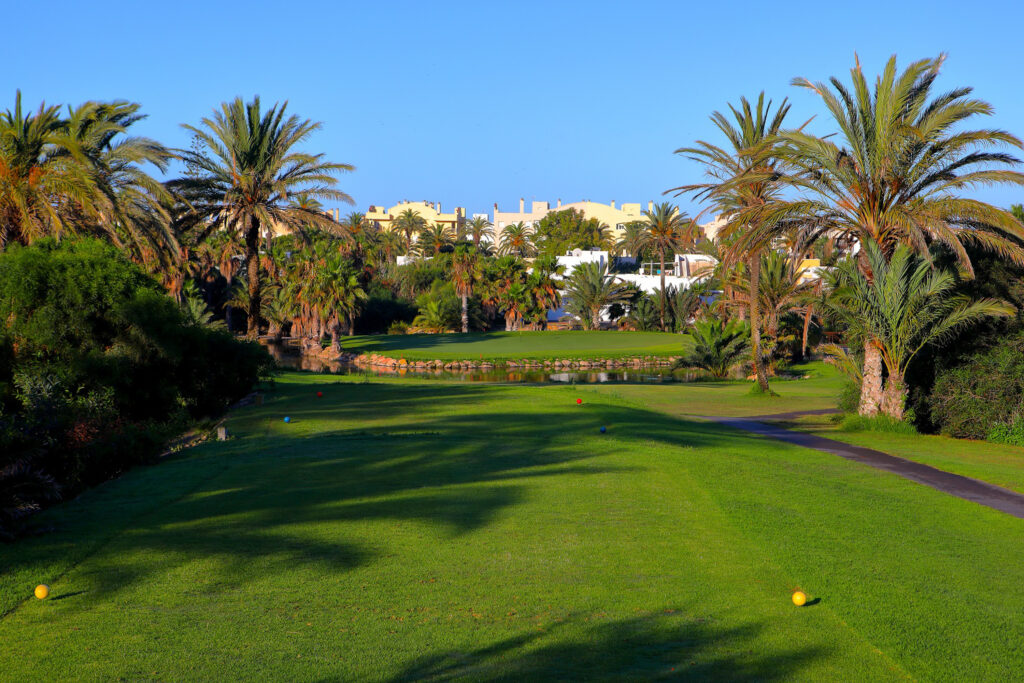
x=615, y=217
x=430, y=212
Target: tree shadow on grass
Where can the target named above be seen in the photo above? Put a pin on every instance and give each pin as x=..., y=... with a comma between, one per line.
x=456, y=470
x=656, y=647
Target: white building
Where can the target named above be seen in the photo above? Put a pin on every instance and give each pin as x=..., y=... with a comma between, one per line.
x=683, y=271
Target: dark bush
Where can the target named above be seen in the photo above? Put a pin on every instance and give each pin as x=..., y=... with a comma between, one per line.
x=981, y=392
x=98, y=368
x=381, y=309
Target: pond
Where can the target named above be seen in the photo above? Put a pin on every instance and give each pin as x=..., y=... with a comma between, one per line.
x=288, y=357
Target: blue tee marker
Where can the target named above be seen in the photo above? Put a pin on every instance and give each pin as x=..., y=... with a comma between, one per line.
x=604, y=429
x=288, y=419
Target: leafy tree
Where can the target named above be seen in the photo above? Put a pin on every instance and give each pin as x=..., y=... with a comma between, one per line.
x=247, y=171
x=904, y=306
x=718, y=345
x=561, y=231
x=589, y=289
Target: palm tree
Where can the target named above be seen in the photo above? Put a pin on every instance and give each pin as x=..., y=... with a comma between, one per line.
x=433, y=239
x=432, y=318
x=718, y=345
x=664, y=233
x=409, y=223
x=516, y=240
x=247, y=168
x=743, y=177
x=389, y=244
x=904, y=306
x=478, y=228
x=80, y=175
x=465, y=272
x=781, y=289
x=543, y=286
x=633, y=240
x=589, y=289
x=134, y=211
x=894, y=175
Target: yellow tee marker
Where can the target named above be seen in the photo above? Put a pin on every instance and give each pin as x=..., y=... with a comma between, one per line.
x=42, y=590
x=799, y=598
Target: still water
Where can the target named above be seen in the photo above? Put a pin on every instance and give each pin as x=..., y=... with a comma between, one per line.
x=286, y=357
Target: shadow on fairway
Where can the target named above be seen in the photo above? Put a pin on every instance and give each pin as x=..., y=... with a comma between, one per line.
x=262, y=508
x=644, y=648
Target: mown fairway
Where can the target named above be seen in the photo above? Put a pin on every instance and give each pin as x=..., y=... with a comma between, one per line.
x=423, y=530
x=512, y=345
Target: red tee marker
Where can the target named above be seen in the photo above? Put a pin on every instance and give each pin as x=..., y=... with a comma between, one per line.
x=319, y=394
x=579, y=401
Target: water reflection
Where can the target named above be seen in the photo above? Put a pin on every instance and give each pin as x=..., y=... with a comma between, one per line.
x=289, y=357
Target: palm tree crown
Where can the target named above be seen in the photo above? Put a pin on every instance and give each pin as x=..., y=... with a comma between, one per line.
x=247, y=168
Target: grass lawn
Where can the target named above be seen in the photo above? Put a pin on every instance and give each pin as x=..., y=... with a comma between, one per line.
x=413, y=529
x=513, y=345
x=995, y=463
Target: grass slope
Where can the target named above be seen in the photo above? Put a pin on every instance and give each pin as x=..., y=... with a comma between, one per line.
x=416, y=529
x=513, y=345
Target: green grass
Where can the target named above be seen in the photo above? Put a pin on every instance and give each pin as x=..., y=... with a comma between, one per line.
x=733, y=398
x=520, y=345
x=999, y=464
x=418, y=529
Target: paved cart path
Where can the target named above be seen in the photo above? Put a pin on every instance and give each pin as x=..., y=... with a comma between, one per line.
x=974, y=490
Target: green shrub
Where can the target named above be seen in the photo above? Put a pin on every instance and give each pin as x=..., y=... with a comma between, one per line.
x=849, y=396
x=98, y=367
x=877, y=423
x=985, y=389
x=1011, y=433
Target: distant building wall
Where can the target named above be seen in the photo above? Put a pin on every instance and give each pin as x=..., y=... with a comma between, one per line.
x=430, y=211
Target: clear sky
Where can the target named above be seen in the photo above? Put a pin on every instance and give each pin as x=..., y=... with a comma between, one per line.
x=472, y=103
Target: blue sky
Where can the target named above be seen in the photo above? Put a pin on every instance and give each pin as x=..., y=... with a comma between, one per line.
x=481, y=102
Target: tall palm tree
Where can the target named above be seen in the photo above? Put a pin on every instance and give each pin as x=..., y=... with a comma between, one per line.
x=133, y=205
x=904, y=306
x=516, y=239
x=478, y=228
x=246, y=170
x=410, y=224
x=465, y=273
x=664, y=233
x=743, y=177
x=589, y=289
x=895, y=174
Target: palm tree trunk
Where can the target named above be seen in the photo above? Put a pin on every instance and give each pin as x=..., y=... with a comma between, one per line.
x=465, y=313
x=335, y=333
x=755, y=322
x=350, y=320
x=808, y=312
x=252, y=260
x=662, y=301
x=871, y=387
x=894, y=398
